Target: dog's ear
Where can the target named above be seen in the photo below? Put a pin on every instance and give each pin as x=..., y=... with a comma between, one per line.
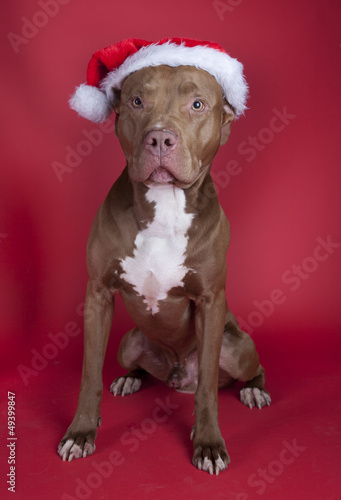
x=115, y=104
x=227, y=118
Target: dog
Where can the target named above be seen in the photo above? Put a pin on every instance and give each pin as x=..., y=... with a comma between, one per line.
x=160, y=240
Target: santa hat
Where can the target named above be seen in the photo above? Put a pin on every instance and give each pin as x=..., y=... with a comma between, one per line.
x=109, y=67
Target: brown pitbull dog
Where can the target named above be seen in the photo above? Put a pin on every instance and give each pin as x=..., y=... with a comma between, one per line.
x=160, y=240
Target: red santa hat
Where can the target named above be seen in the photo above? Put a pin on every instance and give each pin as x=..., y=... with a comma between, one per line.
x=109, y=67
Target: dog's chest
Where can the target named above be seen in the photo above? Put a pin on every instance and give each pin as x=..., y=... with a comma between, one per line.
x=157, y=264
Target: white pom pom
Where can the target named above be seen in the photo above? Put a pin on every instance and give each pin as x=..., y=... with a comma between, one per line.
x=91, y=103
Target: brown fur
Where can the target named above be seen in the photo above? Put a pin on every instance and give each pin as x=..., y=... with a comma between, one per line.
x=193, y=343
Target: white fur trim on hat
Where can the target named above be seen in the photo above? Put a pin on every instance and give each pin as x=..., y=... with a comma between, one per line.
x=227, y=71
x=95, y=103
x=91, y=103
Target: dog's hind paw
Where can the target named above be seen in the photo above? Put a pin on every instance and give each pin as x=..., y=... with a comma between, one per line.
x=125, y=385
x=252, y=396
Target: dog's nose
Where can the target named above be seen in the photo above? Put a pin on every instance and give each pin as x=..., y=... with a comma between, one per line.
x=160, y=142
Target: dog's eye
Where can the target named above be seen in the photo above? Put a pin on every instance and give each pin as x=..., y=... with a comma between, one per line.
x=136, y=102
x=198, y=105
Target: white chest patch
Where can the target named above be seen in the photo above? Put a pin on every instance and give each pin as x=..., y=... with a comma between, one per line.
x=159, y=255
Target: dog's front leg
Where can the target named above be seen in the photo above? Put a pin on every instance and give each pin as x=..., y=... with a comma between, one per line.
x=209, y=447
x=79, y=440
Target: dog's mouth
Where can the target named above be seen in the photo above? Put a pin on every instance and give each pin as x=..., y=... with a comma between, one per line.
x=161, y=175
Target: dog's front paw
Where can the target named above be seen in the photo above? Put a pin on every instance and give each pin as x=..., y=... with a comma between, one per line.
x=77, y=445
x=125, y=385
x=210, y=457
x=252, y=396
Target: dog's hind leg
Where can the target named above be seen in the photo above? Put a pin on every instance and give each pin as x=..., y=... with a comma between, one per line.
x=239, y=360
x=255, y=394
x=138, y=355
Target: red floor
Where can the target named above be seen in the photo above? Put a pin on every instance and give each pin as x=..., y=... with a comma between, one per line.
x=289, y=450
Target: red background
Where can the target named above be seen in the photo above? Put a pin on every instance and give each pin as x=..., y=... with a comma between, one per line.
x=282, y=199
